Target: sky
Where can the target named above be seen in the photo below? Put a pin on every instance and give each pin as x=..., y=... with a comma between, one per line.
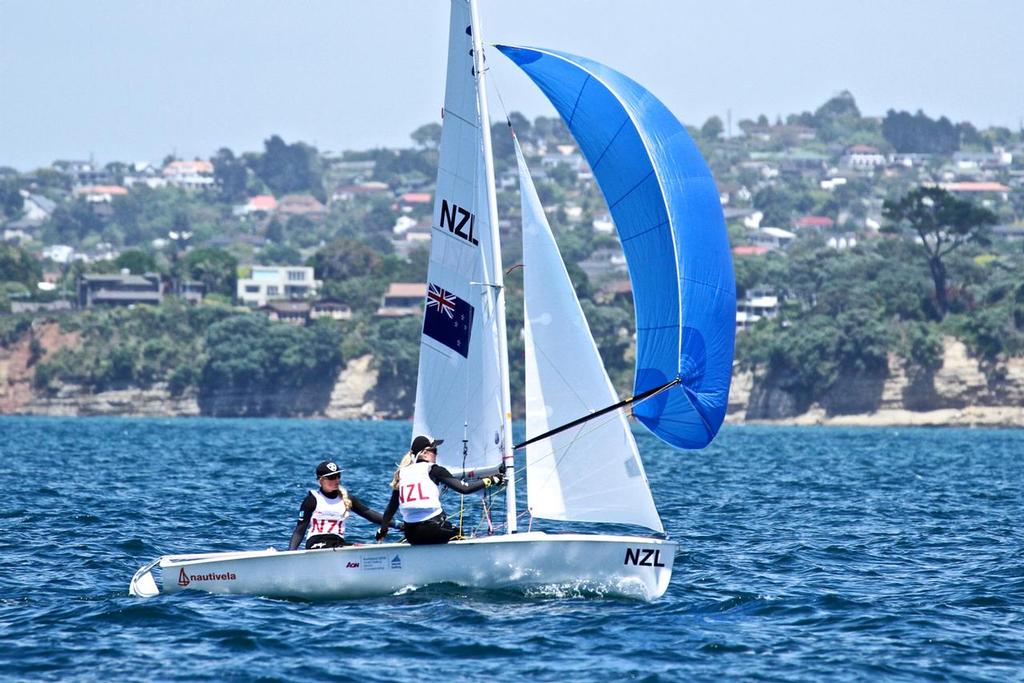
x=134, y=80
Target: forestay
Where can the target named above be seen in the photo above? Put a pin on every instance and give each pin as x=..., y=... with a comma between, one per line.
x=592, y=473
x=459, y=380
x=669, y=219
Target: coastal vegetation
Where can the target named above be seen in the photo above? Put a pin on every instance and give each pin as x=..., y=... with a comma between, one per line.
x=900, y=264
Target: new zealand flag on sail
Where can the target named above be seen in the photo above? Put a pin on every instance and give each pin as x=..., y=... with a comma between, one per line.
x=448, y=319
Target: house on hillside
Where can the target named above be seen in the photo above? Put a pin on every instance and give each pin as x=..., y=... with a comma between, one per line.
x=119, y=289
x=36, y=209
x=274, y=283
x=97, y=194
x=772, y=238
x=190, y=291
x=989, y=192
x=329, y=308
x=143, y=173
x=291, y=312
x=349, y=192
x=760, y=303
x=402, y=299
x=604, y=263
x=805, y=224
x=863, y=157
x=416, y=198
x=261, y=204
x=82, y=172
x=614, y=290
x=301, y=205
x=301, y=313
x=189, y=175
x=749, y=250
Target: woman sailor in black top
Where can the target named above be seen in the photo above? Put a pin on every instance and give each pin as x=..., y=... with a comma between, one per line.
x=323, y=512
x=416, y=494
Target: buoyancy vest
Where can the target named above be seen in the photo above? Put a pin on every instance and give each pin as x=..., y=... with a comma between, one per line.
x=329, y=515
x=418, y=496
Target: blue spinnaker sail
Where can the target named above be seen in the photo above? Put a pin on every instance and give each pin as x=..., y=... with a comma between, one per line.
x=668, y=216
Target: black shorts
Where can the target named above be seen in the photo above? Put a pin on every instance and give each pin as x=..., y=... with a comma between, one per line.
x=433, y=531
x=325, y=541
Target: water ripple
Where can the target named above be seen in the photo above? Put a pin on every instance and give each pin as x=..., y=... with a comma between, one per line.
x=805, y=554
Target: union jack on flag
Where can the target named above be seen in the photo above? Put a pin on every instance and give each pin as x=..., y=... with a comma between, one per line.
x=448, y=319
x=441, y=300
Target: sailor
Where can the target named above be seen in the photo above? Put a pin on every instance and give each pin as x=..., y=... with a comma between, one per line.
x=324, y=511
x=416, y=495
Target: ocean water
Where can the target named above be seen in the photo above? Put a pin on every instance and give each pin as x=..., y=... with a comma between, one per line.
x=805, y=554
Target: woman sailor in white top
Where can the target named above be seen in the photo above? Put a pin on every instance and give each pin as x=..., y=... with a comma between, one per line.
x=324, y=511
x=416, y=494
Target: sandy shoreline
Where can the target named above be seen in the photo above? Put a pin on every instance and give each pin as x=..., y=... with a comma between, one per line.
x=972, y=416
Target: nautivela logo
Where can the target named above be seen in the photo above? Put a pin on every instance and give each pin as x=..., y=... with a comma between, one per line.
x=185, y=579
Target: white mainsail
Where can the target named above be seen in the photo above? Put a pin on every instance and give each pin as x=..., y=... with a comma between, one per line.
x=461, y=387
x=592, y=473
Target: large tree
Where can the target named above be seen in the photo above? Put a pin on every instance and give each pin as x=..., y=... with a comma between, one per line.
x=943, y=224
x=291, y=168
x=427, y=136
x=231, y=174
x=215, y=268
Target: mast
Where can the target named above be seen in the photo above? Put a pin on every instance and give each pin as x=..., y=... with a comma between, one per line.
x=497, y=286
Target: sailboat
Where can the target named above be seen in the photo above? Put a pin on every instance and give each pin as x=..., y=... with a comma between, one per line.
x=582, y=462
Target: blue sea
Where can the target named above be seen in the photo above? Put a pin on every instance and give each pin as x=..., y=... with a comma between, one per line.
x=806, y=554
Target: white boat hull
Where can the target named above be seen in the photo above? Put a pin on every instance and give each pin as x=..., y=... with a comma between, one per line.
x=608, y=565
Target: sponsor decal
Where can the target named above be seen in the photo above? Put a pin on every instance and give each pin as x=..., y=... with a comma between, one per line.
x=643, y=557
x=351, y=565
x=396, y=562
x=375, y=563
x=185, y=579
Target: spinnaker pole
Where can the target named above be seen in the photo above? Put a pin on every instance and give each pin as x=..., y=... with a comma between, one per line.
x=479, y=68
x=598, y=413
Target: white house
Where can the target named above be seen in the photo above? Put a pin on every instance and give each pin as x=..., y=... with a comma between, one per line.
x=59, y=253
x=773, y=238
x=272, y=283
x=863, y=156
x=190, y=175
x=759, y=303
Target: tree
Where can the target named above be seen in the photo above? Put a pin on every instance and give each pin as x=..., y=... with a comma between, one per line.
x=918, y=133
x=137, y=262
x=117, y=170
x=72, y=221
x=290, y=168
x=215, y=268
x=231, y=175
x=11, y=201
x=17, y=265
x=712, y=128
x=344, y=258
x=427, y=136
x=943, y=224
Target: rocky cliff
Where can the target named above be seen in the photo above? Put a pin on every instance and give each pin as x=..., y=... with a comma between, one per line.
x=963, y=391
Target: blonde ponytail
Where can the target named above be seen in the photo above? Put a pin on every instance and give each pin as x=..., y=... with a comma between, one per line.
x=407, y=460
x=344, y=497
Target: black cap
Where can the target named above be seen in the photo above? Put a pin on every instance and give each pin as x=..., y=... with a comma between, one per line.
x=422, y=442
x=327, y=467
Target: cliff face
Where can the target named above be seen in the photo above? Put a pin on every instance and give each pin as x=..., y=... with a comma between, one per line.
x=962, y=391
x=344, y=397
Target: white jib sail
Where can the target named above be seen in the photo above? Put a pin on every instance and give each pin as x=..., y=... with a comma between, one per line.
x=591, y=473
x=458, y=388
